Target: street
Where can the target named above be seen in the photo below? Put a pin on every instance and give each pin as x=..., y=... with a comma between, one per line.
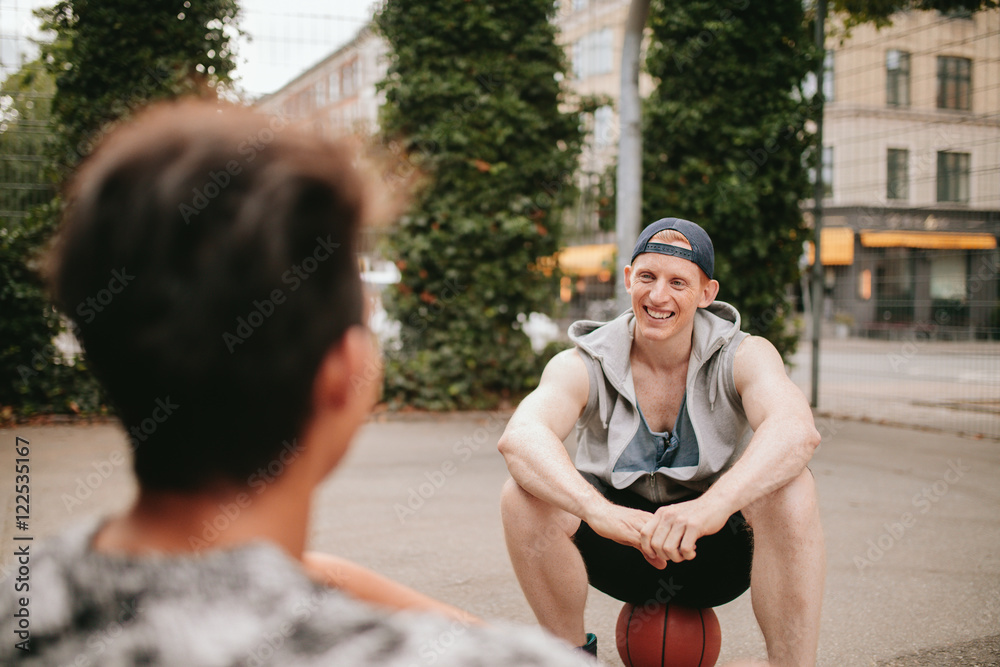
x=949, y=386
x=911, y=518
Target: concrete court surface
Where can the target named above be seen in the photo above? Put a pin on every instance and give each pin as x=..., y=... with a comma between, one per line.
x=912, y=523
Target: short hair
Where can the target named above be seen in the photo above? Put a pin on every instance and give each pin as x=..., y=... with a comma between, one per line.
x=207, y=257
x=669, y=236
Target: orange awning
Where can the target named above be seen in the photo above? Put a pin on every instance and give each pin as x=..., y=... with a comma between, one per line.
x=587, y=260
x=928, y=240
x=836, y=246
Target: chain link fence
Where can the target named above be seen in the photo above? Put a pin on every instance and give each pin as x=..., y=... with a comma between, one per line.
x=911, y=330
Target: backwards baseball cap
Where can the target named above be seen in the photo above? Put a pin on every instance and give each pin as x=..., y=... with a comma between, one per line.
x=701, y=253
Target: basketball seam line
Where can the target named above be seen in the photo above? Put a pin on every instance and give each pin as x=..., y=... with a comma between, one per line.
x=663, y=646
x=628, y=629
x=701, y=615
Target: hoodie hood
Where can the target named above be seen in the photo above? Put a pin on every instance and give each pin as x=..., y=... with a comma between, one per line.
x=611, y=342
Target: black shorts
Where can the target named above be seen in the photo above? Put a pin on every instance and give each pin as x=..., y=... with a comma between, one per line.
x=718, y=574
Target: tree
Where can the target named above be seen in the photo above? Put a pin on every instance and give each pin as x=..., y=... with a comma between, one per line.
x=112, y=56
x=880, y=12
x=106, y=59
x=34, y=377
x=724, y=139
x=473, y=102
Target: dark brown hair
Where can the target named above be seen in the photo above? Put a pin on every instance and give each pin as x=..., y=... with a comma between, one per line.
x=207, y=258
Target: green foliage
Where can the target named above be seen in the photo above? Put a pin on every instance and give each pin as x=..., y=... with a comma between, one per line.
x=473, y=102
x=724, y=138
x=113, y=56
x=106, y=59
x=880, y=12
x=35, y=378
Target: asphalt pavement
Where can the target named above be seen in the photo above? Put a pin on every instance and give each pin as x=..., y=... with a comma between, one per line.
x=912, y=523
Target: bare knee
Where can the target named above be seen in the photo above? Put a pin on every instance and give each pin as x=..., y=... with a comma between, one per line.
x=793, y=505
x=523, y=511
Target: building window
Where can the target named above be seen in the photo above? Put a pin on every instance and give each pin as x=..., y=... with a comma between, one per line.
x=897, y=78
x=333, y=87
x=827, y=171
x=953, y=177
x=828, y=76
x=954, y=83
x=898, y=174
x=592, y=54
x=605, y=133
x=948, y=285
x=349, y=78
x=894, y=285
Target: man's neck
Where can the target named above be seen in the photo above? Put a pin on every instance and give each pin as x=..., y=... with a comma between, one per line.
x=174, y=522
x=664, y=356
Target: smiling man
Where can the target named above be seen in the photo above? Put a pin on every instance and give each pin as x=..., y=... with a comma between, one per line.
x=690, y=482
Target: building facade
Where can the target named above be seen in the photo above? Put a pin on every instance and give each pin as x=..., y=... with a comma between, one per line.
x=911, y=163
x=912, y=176
x=337, y=95
x=911, y=160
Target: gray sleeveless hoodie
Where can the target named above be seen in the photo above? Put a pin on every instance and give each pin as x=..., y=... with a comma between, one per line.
x=611, y=418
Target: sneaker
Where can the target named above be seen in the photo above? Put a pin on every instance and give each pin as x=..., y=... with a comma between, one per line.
x=591, y=645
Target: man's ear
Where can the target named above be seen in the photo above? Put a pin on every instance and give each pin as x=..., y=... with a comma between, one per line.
x=628, y=278
x=349, y=371
x=710, y=290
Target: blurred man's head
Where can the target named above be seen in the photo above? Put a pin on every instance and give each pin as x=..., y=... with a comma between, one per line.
x=208, y=258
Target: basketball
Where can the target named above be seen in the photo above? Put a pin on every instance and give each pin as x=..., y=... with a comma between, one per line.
x=658, y=635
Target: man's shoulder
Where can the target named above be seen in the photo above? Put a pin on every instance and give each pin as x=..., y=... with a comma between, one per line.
x=587, y=332
x=430, y=639
x=252, y=605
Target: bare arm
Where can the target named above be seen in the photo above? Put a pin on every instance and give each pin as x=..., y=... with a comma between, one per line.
x=532, y=443
x=533, y=447
x=784, y=439
x=364, y=584
x=785, y=434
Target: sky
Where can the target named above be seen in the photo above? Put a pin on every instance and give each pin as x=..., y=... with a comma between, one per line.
x=283, y=38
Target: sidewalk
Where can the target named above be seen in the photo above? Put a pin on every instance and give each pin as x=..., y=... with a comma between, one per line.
x=945, y=386
x=912, y=523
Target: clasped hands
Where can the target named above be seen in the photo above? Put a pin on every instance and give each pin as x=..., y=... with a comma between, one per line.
x=669, y=534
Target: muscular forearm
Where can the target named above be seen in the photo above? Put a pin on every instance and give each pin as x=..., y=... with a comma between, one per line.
x=777, y=454
x=539, y=463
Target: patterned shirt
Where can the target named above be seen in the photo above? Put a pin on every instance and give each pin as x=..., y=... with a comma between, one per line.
x=252, y=605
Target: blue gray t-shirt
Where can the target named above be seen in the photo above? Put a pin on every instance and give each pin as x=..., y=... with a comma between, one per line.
x=649, y=450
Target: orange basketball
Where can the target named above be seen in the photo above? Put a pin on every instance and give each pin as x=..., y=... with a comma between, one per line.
x=658, y=635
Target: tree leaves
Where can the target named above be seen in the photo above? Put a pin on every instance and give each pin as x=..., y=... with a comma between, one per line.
x=472, y=89
x=723, y=139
